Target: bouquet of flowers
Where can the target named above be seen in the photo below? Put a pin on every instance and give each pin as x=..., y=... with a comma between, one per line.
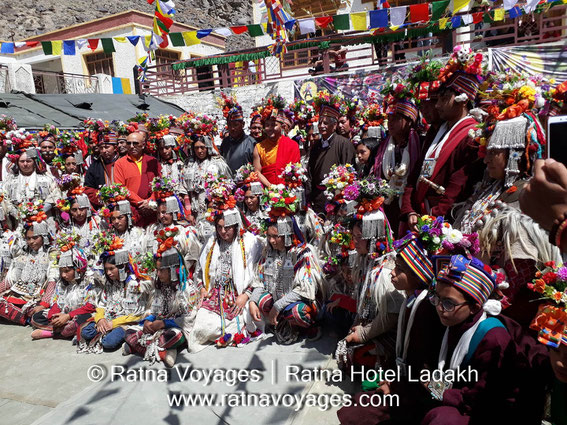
x=113, y=193
x=294, y=175
x=163, y=186
x=245, y=174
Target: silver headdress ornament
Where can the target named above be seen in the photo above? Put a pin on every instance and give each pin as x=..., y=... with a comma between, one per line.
x=349, y=207
x=41, y=229
x=232, y=217
x=373, y=225
x=169, y=141
x=373, y=133
x=285, y=229
x=256, y=188
x=172, y=206
x=79, y=158
x=301, y=198
x=170, y=260
x=209, y=144
x=83, y=201
x=511, y=135
x=66, y=259
x=125, y=208
x=121, y=257
x=32, y=153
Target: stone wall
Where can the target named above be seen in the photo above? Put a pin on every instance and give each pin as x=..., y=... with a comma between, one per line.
x=26, y=18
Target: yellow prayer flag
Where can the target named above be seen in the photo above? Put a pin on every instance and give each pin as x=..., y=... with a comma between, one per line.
x=57, y=47
x=147, y=41
x=190, y=38
x=460, y=4
x=126, y=89
x=120, y=39
x=394, y=28
x=358, y=21
x=443, y=23
x=265, y=26
x=498, y=15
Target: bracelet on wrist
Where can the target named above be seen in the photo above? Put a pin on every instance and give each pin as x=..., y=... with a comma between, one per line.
x=557, y=230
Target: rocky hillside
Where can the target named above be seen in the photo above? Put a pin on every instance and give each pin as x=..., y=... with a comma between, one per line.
x=26, y=18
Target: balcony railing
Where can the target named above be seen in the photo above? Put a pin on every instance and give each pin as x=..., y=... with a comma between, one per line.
x=48, y=82
x=298, y=63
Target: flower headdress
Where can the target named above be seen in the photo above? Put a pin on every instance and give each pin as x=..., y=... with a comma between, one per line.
x=163, y=187
x=328, y=104
x=556, y=98
x=219, y=190
x=341, y=236
x=341, y=186
x=107, y=244
x=399, y=98
x=32, y=211
x=247, y=179
x=281, y=204
x=65, y=241
x=424, y=78
x=463, y=72
x=7, y=124
x=551, y=319
x=95, y=130
x=373, y=115
x=124, y=128
x=112, y=196
x=272, y=106
x=18, y=142
x=157, y=128
x=69, y=254
x=49, y=131
x=231, y=110
x=303, y=112
x=74, y=194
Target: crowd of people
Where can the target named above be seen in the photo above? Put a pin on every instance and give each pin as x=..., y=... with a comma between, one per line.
x=407, y=226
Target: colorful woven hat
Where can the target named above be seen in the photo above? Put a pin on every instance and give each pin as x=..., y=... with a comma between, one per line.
x=327, y=104
x=471, y=276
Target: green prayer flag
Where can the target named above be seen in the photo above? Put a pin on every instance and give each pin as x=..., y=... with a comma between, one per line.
x=487, y=18
x=107, y=45
x=47, y=48
x=438, y=9
x=177, y=39
x=341, y=22
x=255, y=30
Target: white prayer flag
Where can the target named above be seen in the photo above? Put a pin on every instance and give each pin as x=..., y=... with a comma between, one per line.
x=398, y=16
x=306, y=25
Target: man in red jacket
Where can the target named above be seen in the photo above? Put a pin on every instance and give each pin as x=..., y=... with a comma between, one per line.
x=451, y=164
x=136, y=171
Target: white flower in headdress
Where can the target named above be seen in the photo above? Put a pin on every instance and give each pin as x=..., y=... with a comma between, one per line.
x=454, y=236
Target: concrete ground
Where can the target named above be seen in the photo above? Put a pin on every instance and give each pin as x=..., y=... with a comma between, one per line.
x=46, y=382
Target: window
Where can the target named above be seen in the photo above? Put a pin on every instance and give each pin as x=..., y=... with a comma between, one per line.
x=166, y=56
x=100, y=63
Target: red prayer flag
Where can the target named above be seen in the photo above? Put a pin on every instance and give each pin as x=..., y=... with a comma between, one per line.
x=324, y=21
x=477, y=17
x=93, y=43
x=239, y=30
x=32, y=43
x=419, y=12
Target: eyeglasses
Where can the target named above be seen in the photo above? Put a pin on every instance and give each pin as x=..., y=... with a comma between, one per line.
x=133, y=143
x=446, y=304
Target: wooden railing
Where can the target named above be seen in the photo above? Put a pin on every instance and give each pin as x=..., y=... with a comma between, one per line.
x=528, y=29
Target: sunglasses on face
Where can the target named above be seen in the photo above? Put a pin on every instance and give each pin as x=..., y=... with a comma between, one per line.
x=133, y=143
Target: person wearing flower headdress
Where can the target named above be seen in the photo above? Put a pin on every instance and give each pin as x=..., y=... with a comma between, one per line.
x=205, y=160
x=101, y=170
x=418, y=328
x=173, y=306
x=172, y=165
x=76, y=213
x=123, y=300
x=249, y=194
x=289, y=276
x=256, y=127
x=224, y=275
x=399, y=155
x=135, y=172
x=370, y=136
x=118, y=213
x=371, y=339
x=450, y=166
x=74, y=294
x=477, y=337
x=48, y=139
x=550, y=323
x=276, y=150
x=22, y=292
x=329, y=150
x=510, y=239
x=70, y=155
x=238, y=147
x=171, y=214
x=30, y=182
x=346, y=125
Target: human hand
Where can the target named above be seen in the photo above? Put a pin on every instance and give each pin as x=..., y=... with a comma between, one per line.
x=273, y=316
x=331, y=306
x=412, y=221
x=354, y=336
x=60, y=319
x=255, y=312
x=239, y=304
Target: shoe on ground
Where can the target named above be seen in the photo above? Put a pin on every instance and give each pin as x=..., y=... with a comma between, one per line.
x=126, y=350
x=170, y=357
x=315, y=333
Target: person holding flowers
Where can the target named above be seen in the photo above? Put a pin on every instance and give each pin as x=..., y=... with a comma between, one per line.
x=101, y=169
x=123, y=300
x=277, y=150
x=224, y=274
x=74, y=295
x=172, y=304
x=205, y=160
x=331, y=149
x=289, y=277
x=22, y=292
